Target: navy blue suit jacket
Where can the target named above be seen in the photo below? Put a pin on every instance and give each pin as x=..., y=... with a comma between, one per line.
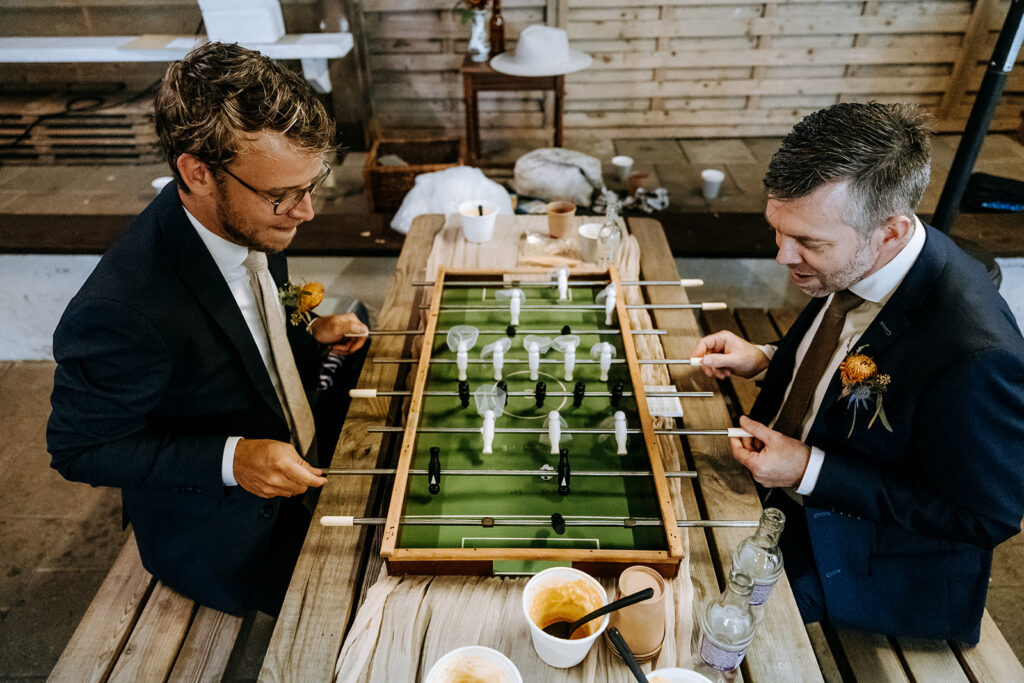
x=155, y=369
x=902, y=524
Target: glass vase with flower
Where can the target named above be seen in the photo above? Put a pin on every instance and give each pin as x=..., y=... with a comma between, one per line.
x=475, y=13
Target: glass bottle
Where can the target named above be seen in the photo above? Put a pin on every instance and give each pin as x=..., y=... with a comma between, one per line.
x=609, y=237
x=497, y=28
x=727, y=627
x=759, y=557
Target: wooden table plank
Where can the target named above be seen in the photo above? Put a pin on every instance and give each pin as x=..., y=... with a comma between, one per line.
x=322, y=595
x=871, y=657
x=930, y=660
x=207, y=648
x=992, y=659
x=781, y=651
x=156, y=639
x=108, y=621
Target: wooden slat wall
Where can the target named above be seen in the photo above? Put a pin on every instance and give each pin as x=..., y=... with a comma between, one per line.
x=692, y=68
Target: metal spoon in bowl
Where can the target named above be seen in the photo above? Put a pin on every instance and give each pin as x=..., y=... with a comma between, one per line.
x=564, y=629
x=627, y=655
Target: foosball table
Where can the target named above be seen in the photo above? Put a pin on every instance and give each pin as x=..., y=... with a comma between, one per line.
x=528, y=437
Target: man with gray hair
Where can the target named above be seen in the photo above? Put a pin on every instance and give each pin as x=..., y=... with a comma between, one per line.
x=893, y=507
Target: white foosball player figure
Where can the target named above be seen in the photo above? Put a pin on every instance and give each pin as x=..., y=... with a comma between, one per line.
x=603, y=352
x=607, y=295
x=461, y=339
x=496, y=350
x=562, y=276
x=535, y=345
x=515, y=297
x=490, y=404
x=618, y=425
x=554, y=423
x=567, y=343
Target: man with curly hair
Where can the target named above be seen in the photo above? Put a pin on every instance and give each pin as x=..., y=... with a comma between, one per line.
x=179, y=379
x=892, y=412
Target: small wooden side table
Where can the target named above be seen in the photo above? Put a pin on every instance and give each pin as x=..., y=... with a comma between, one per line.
x=479, y=76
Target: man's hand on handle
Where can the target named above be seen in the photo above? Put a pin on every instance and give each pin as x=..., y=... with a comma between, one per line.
x=772, y=458
x=269, y=468
x=343, y=333
x=724, y=354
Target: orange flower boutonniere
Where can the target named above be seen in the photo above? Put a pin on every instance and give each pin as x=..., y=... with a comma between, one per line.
x=302, y=300
x=862, y=384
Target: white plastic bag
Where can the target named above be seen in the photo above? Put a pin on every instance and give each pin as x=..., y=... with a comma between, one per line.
x=554, y=173
x=443, y=191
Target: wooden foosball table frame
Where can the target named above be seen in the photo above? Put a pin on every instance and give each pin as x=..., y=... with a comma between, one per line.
x=601, y=560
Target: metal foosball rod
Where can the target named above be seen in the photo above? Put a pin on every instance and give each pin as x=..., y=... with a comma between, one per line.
x=686, y=282
x=731, y=432
x=474, y=308
x=387, y=471
x=395, y=333
x=546, y=361
x=525, y=521
x=375, y=393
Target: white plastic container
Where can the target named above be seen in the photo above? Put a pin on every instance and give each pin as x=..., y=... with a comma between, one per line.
x=675, y=675
x=478, y=220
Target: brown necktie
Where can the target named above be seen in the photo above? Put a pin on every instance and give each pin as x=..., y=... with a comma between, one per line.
x=296, y=406
x=819, y=353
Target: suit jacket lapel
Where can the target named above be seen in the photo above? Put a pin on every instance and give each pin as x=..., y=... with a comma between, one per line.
x=198, y=270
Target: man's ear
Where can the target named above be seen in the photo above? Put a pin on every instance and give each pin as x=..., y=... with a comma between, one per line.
x=897, y=229
x=196, y=174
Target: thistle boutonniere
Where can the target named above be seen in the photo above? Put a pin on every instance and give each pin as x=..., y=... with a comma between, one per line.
x=862, y=384
x=301, y=299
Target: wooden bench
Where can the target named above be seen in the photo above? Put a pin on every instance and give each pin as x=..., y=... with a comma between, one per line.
x=846, y=655
x=137, y=629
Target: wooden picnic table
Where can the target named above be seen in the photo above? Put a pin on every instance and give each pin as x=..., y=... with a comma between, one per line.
x=337, y=566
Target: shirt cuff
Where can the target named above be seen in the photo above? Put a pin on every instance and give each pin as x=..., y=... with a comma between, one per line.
x=227, y=461
x=768, y=350
x=810, y=478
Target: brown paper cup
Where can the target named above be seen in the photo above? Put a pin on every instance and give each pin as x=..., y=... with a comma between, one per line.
x=560, y=218
x=642, y=625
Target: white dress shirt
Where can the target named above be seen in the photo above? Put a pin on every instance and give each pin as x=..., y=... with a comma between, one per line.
x=875, y=289
x=229, y=257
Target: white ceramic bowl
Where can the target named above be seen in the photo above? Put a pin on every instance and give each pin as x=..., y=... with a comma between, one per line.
x=476, y=658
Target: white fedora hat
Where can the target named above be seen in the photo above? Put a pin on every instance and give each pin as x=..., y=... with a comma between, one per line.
x=541, y=51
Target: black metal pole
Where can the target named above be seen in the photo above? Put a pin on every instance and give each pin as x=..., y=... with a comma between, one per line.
x=1003, y=57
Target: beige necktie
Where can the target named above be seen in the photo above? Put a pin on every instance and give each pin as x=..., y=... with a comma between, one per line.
x=819, y=353
x=296, y=406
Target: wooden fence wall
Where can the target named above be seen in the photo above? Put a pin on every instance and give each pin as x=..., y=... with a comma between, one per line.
x=691, y=68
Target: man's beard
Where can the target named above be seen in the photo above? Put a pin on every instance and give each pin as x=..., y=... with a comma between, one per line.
x=229, y=222
x=841, y=279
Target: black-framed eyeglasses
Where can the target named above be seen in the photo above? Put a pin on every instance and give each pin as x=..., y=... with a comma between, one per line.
x=283, y=205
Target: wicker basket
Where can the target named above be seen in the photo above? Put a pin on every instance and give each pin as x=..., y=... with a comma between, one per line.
x=386, y=186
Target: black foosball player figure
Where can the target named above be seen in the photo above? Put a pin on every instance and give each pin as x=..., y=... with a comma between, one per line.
x=617, y=394
x=577, y=394
x=563, y=472
x=464, y=393
x=541, y=393
x=434, y=471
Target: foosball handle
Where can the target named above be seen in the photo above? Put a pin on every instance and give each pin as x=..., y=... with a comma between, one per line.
x=337, y=520
x=362, y=393
x=737, y=433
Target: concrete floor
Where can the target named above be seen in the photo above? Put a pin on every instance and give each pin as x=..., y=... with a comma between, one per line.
x=61, y=538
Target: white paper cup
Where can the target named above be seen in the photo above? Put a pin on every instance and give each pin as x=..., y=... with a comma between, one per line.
x=563, y=594
x=675, y=675
x=712, y=178
x=477, y=227
x=588, y=233
x=623, y=165
x=473, y=662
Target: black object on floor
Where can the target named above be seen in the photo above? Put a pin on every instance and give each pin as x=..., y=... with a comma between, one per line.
x=988, y=193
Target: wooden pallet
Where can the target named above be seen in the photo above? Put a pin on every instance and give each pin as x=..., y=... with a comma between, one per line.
x=59, y=129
